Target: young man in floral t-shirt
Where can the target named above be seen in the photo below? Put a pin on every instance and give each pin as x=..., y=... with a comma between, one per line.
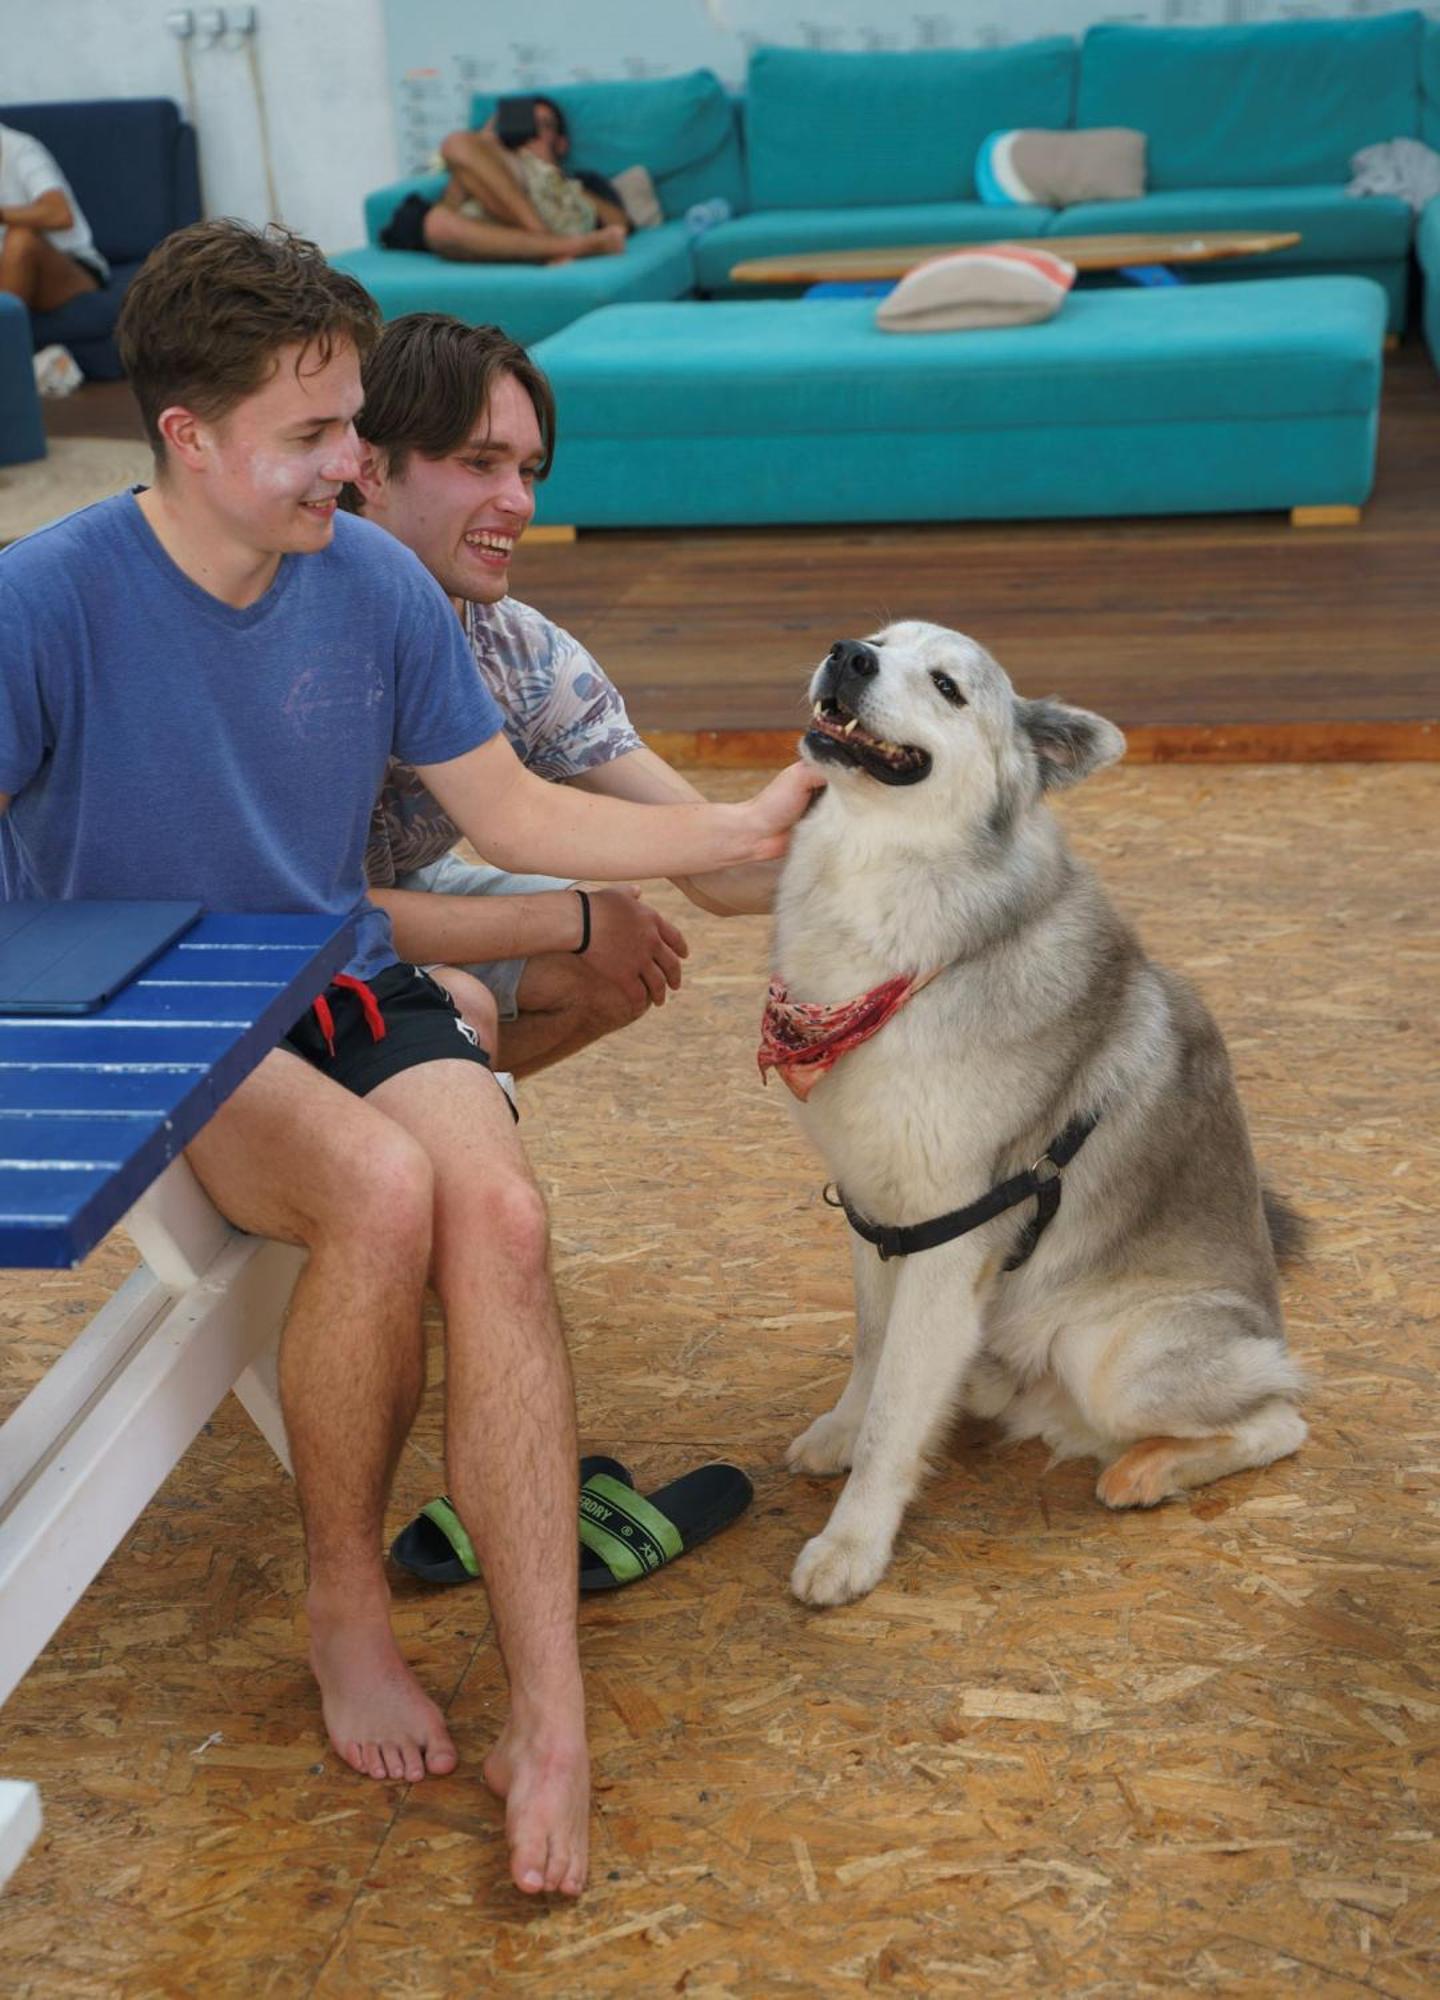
x=458, y=425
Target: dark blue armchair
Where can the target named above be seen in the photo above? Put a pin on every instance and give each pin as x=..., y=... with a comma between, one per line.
x=131, y=163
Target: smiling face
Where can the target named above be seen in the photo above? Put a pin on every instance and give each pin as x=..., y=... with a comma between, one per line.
x=274, y=463
x=892, y=707
x=462, y=514
x=916, y=705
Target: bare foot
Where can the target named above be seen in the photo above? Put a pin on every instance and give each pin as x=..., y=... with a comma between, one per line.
x=544, y=1780
x=606, y=242
x=379, y=1717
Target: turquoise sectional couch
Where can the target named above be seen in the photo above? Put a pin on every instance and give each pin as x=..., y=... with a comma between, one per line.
x=1427, y=235
x=1248, y=127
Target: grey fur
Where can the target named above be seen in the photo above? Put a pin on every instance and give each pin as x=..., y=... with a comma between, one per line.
x=1150, y=1310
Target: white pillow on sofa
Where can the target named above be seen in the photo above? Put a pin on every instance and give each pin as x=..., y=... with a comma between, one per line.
x=1059, y=169
x=995, y=284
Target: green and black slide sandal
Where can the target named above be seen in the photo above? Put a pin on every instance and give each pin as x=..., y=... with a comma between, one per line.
x=624, y=1536
x=436, y=1548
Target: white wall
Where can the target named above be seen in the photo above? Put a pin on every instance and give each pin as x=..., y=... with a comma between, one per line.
x=322, y=66
x=442, y=51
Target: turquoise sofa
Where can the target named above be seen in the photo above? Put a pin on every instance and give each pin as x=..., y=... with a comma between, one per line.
x=1248, y=127
x=683, y=128
x=1172, y=400
x=1427, y=235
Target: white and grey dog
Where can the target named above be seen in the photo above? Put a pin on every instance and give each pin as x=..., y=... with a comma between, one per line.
x=1142, y=1326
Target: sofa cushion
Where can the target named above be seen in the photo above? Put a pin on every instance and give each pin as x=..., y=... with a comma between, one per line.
x=828, y=130
x=781, y=232
x=1430, y=85
x=1427, y=243
x=1298, y=347
x=1427, y=250
x=1333, y=227
x=90, y=316
x=1284, y=102
x=1057, y=169
x=682, y=128
x=130, y=161
x=993, y=285
x=528, y=300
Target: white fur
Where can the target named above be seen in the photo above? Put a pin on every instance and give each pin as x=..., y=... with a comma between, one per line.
x=1096, y=1344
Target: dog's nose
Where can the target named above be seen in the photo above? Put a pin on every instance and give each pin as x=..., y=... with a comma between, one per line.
x=855, y=657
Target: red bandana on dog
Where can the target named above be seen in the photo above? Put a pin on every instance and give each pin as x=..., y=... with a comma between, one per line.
x=803, y=1039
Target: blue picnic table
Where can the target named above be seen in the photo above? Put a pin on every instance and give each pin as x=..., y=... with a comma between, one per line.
x=95, y=1111
x=93, y=1107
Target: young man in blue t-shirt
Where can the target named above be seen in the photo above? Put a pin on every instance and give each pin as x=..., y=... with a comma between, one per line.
x=202, y=683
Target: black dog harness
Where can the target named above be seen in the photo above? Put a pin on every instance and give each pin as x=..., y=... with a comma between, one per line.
x=1042, y=1181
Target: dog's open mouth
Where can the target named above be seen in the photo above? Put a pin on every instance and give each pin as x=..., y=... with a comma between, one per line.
x=835, y=736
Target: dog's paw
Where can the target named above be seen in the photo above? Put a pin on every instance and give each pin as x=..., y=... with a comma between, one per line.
x=1143, y=1476
x=835, y=1569
x=827, y=1447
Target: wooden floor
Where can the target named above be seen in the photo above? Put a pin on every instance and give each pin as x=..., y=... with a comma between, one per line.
x=1228, y=636
x=1058, y=1752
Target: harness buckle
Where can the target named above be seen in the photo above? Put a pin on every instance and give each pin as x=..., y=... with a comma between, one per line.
x=1042, y=1178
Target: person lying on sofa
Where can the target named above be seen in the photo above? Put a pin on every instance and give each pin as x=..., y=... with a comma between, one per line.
x=47, y=254
x=510, y=199
x=458, y=424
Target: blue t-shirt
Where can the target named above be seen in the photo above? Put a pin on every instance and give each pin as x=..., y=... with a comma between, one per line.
x=159, y=743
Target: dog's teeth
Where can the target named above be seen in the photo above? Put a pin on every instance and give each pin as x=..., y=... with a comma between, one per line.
x=852, y=724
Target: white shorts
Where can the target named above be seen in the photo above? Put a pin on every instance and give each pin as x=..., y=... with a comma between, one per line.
x=450, y=876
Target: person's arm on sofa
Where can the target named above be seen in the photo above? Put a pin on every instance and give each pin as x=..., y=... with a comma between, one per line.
x=48, y=211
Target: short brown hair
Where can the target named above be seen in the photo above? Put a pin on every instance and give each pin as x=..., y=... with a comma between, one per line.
x=429, y=377
x=212, y=306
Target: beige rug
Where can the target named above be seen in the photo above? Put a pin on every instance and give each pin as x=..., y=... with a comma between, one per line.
x=74, y=472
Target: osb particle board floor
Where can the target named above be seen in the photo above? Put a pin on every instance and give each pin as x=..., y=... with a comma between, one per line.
x=1056, y=1751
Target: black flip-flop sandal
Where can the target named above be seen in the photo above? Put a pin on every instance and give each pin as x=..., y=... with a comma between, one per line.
x=624, y=1536
x=435, y=1547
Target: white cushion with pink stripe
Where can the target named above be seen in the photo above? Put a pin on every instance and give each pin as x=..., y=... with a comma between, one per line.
x=995, y=284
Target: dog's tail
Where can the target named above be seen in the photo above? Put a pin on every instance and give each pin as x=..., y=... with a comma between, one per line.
x=1289, y=1230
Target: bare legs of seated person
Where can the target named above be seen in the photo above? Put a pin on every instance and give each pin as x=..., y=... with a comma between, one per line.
x=35, y=271
x=512, y=231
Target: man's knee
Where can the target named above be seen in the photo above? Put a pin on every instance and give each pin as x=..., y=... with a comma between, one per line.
x=457, y=149
x=505, y=1212
x=384, y=1199
x=20, y=250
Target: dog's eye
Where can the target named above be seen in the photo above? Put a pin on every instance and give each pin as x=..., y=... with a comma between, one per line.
x=948, y=688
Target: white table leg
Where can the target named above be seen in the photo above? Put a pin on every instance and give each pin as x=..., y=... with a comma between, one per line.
x=95, y=1439
x=19, y=1824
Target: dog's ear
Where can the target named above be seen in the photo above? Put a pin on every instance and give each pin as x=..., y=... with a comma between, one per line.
x=1070, y=743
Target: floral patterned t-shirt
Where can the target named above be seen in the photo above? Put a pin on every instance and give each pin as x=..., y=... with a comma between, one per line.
x=561, y=711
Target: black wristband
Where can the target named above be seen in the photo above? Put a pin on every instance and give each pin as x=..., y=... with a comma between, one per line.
x=584, y=944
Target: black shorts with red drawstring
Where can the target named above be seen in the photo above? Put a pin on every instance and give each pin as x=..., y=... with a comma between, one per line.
x=359, y=1032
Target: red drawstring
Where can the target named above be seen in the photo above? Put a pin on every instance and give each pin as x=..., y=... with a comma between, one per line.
x=369, y=1006
x=327, y=1023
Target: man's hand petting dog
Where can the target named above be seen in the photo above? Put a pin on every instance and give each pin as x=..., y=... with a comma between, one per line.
x=775, y=811
x=633, y=945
